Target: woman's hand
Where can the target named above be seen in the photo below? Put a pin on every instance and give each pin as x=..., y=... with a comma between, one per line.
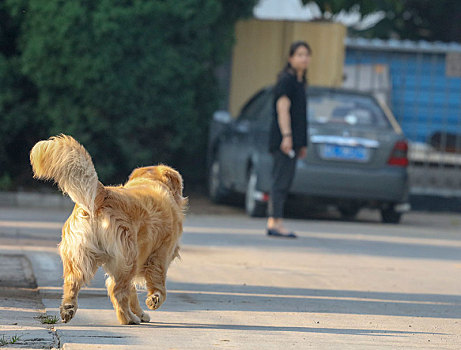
x=302, y=153
x=287, y=145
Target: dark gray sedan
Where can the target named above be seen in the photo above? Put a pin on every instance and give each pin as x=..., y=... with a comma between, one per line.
x=357, y=155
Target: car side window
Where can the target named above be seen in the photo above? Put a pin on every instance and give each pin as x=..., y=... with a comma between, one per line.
x=265, y=113
x=253, y=108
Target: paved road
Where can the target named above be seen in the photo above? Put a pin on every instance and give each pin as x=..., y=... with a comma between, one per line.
x=341, y=285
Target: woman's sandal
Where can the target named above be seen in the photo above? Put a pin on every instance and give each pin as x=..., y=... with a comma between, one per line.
x=277, y=233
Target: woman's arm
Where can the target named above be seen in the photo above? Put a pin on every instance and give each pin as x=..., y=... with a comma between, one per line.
x=284, y=120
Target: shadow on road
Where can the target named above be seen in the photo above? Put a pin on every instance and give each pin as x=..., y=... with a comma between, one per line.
x=318, y=330
x=276, y=299
x=183, y=297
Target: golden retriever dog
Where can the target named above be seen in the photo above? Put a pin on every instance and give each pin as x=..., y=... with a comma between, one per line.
x=133, y=230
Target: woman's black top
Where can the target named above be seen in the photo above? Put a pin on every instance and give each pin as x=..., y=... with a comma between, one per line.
x=295, y=90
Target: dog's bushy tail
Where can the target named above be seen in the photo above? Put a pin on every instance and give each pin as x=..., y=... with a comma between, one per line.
x=62, y=159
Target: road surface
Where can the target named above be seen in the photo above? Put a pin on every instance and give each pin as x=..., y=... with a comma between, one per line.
x=340, y=285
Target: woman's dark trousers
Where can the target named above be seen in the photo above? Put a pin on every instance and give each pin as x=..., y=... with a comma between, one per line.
x=283, y=172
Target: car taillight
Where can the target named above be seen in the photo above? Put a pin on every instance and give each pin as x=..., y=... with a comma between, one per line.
x=399, y=155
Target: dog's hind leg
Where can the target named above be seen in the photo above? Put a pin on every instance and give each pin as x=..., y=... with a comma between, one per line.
x=74, y=278
x=135, y=307
x=119, y=289
x=155, y=275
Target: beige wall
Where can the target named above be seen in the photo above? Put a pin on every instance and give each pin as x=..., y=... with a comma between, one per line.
x=261, y=51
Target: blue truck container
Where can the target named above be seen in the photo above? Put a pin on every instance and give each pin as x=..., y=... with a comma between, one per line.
x=424, y=96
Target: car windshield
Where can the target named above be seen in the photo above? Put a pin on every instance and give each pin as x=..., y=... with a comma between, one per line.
x=342, y=109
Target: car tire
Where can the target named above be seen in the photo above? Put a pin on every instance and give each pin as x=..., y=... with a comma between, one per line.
x=349, y=212
x=390, y=216
x=216, y=190
x=253, y=206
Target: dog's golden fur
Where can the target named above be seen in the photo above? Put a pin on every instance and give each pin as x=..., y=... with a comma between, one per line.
x=133, y=230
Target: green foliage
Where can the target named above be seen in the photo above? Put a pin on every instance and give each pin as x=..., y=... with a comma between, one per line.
x=47, y=319
x=335, y=6
x=405, y=19
x=418, y=20
x=20, y=128
x=5, y=182
x=133, y=81
x=4, y=341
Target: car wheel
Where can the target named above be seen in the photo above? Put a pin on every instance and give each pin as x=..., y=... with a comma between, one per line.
x=390, y=216
x=349, y=212
x=216, y=189
x=253, y=206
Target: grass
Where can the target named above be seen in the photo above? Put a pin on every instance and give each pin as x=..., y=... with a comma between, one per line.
x=47, y=319
x=4, y=341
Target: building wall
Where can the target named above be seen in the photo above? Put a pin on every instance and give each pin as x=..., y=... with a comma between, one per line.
x=261, y=51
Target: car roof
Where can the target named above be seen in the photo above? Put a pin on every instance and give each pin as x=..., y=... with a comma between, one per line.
x=315, y=88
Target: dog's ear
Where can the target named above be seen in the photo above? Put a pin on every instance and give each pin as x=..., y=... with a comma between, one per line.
x=164, y=174
x=172, y=179
x=148, y=172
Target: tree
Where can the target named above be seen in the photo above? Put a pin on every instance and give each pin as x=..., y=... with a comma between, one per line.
x=331, y=7
x=18, y=98
x=132, y=80
x=419, y=20
x=404, y=19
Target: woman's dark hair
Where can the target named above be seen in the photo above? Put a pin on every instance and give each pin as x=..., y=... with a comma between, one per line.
x=293, y=47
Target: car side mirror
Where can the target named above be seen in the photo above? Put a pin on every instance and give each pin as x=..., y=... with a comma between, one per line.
x=222, y=117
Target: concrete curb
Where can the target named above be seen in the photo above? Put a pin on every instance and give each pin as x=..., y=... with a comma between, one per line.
x=20, y=305
x=198, y=205
x=35, y=200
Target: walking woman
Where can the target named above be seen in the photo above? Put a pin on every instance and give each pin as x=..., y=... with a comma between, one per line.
x=288, y=136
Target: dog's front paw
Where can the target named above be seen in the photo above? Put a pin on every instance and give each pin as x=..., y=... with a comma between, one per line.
x=145, y=317
x=67, y=311
x=134, y=319
x=154, y=301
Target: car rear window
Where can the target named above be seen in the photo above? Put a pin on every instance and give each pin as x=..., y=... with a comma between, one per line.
x=345, y=109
